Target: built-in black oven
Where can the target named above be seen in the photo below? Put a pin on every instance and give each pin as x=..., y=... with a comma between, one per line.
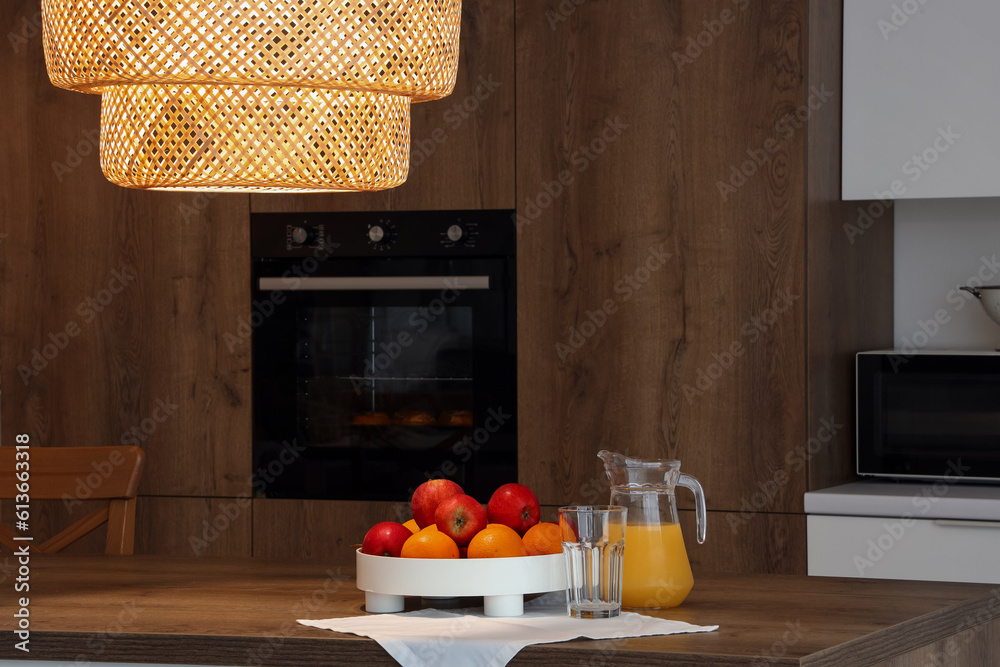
x=931, y=414
x=383, y=353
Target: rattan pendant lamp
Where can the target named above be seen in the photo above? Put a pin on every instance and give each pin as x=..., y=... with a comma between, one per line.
x=254, y=95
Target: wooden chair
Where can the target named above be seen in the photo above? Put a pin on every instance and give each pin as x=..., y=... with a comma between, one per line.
x=75, y=474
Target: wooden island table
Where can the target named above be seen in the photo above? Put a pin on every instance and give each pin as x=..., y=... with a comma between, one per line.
x=204, y=611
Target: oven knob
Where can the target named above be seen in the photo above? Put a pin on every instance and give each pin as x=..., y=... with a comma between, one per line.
x=303, y=235
x=455, y=233
x=382, y=235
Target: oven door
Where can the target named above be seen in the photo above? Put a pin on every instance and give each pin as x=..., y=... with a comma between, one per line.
x=372, y=376
x=931, y=416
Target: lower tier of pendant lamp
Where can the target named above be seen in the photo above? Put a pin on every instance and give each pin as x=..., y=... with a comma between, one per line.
x=253, y=139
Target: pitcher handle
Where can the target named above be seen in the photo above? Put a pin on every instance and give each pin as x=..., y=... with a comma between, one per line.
x=689, y=482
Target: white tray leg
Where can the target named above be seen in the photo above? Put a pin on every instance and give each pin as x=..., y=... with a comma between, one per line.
x=503, y=605
x=381, y=603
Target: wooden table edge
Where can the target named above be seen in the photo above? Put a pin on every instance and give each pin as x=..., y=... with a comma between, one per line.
x=888, y=642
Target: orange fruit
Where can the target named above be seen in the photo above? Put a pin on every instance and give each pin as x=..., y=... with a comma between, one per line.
x=429, y=544
x=433, y=528
x=543, y=538
x=495, y=541
x=412, y=525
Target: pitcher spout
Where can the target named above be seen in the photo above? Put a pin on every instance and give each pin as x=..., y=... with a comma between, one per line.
x=611, y=458
x=614, y=466
x=616, y=460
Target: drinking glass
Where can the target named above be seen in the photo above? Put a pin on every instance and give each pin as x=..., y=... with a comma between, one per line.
x=593, y=539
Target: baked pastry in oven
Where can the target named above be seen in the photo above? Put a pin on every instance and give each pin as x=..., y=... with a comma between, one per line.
x=370, y=419
x=413, y=418
x=456, y=418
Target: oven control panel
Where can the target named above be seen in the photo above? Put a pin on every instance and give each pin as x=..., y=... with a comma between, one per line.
x=460, y=233
x=374, y=234
x=304, y=236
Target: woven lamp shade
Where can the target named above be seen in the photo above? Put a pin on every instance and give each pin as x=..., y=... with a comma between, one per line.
x=250, y=138
x=254, y=95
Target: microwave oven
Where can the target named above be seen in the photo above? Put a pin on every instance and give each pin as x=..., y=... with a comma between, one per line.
x=929, y=415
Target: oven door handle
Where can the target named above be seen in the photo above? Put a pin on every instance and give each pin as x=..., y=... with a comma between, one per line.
x=374, y=283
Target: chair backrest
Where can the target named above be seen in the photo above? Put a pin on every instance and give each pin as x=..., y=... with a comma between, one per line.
x=75, y=474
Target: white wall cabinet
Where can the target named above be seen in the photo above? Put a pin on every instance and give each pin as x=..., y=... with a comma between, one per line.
x=921, y=99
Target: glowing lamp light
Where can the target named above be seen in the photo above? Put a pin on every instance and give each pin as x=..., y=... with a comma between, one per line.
x=254, y=95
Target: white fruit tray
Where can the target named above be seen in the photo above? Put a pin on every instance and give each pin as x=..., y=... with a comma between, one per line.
x=502, y=582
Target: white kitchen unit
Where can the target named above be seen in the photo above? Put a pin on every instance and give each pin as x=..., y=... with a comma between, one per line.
x=921, y=99
x=921, y=531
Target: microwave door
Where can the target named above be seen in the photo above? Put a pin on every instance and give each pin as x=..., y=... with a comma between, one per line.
x=936, y=417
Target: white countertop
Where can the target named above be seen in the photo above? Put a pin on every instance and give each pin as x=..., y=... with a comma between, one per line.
x=923, y=500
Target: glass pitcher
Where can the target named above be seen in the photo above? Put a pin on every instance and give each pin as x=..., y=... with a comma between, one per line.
x=656, y=572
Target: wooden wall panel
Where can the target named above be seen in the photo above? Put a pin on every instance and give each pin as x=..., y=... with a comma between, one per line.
x=850, y=282
x=114, y=303
x=657, y=377
x=178, y=526
x=974, y=647
x=752, y=544
x=194, y=527
x=48, y=517
x=462, y=154
x=317, y=528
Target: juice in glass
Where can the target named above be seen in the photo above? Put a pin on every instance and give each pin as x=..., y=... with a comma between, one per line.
x=655, y=571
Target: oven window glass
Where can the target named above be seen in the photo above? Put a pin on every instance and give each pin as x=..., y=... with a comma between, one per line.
x=371, y=373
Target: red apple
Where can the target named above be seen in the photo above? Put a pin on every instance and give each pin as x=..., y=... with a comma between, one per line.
x=515, y=506
x=428, y=496
x=460, y=518
x=385, y=539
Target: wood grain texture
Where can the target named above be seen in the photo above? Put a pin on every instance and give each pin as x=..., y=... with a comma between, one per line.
x=753, y=544
x=233, y=611
x=72, y=472
x=969, y=648
x=462, y=148
x=194, y=527
x=165, y=526
x=850, y=269
x=72, y=475
x=119, y=298
x=49, y=517
x=121, y=527
x=658, y=378
x=326, y=529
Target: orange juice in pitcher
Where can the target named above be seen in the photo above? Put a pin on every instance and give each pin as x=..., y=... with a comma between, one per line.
x=655, y=570
x=656, y=573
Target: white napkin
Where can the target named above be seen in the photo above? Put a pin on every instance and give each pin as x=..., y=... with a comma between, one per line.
x=431, y=637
